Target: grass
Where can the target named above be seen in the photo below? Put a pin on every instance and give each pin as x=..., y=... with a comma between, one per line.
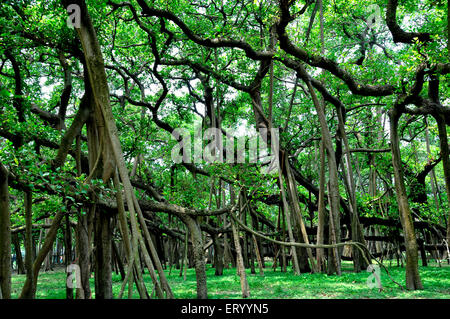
x=273, y=285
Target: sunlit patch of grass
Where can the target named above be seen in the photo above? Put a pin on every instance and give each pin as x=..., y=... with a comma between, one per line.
x=272, y=285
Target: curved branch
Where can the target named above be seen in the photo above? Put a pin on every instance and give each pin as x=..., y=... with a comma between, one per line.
x=211, y=43
x=398, y=34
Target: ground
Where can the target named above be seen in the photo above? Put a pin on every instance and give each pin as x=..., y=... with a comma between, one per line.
x=273, y=285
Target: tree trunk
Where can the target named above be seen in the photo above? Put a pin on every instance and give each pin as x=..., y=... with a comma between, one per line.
x=112, y=153
x=434, y=186
x=413, y=281
x=321, y=211
x=47, y=260
x=153, y=253
x=218, y=255
x=443, y=139
x=257, y=241
x=252, y=256
x=29, y=288
x=245, y=254
x=356, y=229
x=28, y=243
x=68, y=252
x=131, y=253
x=240, y=263
x=292, y=189
x=102, y=238
x=83, y=252
x=5, y=235
x=199, y=257
x=333, y=178
x=185, y=255
x=287, y=217
x=227, y=255
x=301, y=252
x=258, y=255
x=118, y=259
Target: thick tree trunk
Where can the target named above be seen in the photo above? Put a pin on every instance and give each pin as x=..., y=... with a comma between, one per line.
x=112, y=154
x=413, y=281
x=5, y=235
x=102, y=238
x=199, y=257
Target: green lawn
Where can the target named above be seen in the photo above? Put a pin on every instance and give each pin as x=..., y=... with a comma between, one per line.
x=435, y=279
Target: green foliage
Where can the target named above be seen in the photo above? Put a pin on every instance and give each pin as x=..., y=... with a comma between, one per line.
x=160, y=79
x=273, y=285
